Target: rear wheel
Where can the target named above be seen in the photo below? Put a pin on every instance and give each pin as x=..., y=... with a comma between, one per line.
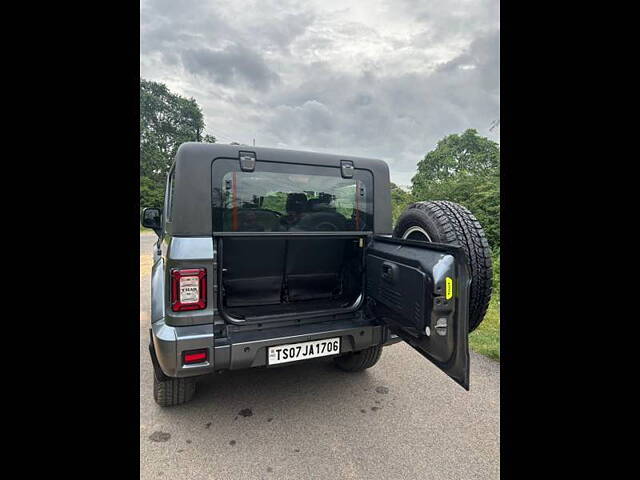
x=448, y=222
x=357, y=361
x=173, y=391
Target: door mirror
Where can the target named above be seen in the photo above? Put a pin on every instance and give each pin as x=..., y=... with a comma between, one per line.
x=152, y=218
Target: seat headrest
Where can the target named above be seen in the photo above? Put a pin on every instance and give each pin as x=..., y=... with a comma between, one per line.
x=296, y=202
x=319, y=205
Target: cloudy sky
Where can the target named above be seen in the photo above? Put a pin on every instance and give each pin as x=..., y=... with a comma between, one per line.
x=376, y=78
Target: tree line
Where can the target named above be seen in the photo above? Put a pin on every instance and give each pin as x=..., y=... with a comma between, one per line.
x=463, y=168
x=166, y=121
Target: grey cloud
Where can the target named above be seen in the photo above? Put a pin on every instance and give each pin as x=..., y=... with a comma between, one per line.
x=362, y=99
x=398, y=118
x=167, y=25
x=230, y=65
x=264, y=74
x=281, y=32
x=453, y=20
x=200, y=37
x=483, y=56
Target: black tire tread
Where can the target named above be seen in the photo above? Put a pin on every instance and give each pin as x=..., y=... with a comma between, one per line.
x=457, y=225
x=173, y=391
x=357, y=361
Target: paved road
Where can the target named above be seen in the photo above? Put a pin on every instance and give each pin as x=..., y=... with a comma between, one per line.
x=401, y=419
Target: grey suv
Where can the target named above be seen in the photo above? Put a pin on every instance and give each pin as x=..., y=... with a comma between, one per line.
x=267, y=257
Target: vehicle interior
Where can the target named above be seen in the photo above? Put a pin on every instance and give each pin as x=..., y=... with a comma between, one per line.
x=264, y=277
x=297, y=268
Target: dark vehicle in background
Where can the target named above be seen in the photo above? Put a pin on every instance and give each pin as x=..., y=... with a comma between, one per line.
x=267, y=257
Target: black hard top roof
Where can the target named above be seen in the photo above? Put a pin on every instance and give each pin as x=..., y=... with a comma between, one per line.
x=194, y=150
x=191, y=212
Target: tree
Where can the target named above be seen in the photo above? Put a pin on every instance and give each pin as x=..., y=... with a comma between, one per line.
x=466, y=154
x=400, y=199
x=166, y=121
x=464, y=169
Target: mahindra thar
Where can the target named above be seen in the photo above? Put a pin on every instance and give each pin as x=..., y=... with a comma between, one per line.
x=267, y=257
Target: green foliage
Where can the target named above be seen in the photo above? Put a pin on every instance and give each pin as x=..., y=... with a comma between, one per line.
x=275, y=201
x=151, y=192
x=468, y=154
x=486, y=338
x=400, y=199
x=464, y=169
x=495, y=254
x=166, y=121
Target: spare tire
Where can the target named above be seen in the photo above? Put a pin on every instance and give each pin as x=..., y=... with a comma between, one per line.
x=447, y=222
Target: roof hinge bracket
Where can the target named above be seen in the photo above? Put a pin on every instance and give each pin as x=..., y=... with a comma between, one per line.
x=247, y=161
x=347, y=168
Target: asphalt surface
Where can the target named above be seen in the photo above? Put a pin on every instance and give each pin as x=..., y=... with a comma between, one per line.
x=403, y=418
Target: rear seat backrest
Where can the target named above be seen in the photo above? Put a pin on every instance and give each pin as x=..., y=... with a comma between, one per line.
x=313, y=267
x=254, y=270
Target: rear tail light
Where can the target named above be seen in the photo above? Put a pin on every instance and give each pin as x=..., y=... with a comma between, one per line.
x=194, y=356
x=188, y=289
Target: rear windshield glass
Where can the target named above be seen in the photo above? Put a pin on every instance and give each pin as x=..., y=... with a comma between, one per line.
x=286, y=197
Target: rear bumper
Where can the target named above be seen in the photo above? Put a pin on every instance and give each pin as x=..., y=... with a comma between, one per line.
x=249, y=349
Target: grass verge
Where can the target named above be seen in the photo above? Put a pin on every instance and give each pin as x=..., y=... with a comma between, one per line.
x=486, y=338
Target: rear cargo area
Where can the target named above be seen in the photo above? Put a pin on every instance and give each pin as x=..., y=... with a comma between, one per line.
x=265, y=277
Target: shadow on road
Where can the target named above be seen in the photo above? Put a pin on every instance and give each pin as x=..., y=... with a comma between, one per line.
x=289, y=390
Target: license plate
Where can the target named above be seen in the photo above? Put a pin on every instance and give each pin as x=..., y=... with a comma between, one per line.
x=302, y=351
